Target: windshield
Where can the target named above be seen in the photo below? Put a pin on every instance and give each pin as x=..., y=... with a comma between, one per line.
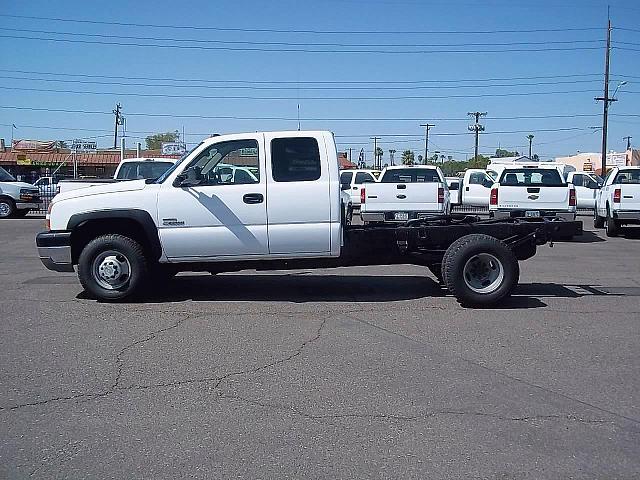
x=531, y=177
x=411, y=175
x=164, y=176
x=6, y=176
x=142, y=170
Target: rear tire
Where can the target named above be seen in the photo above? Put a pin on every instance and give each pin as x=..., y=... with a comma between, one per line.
x=479, y=270
x=113, y=267
x=612, y=226
x=598, y=221
x=7, y=207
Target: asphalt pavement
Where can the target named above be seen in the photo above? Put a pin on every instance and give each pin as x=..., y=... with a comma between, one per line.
x=369, y=372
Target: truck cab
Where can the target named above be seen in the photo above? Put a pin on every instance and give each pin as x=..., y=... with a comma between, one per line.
x=587, y=185
x=618, y=201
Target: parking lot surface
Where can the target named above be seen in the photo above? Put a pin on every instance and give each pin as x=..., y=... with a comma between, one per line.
x=349, y=373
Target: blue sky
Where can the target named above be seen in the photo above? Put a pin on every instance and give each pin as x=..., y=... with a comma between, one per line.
x=474, y=73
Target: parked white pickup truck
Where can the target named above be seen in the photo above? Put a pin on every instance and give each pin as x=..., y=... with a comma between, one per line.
x=405, y=193
x=353, y=181
x=126, y=235
x=472, y=189
x=618, y=201
x=532, y=191
x=587, y=185
x=128, y=169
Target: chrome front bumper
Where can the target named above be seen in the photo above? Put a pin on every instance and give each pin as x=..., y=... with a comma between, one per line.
x=54, y=250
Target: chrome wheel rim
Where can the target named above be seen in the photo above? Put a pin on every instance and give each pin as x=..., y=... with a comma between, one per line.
x=111, y=270
x=483, y=273
x=5, y=209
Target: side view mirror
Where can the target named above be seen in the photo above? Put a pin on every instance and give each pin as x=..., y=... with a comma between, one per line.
x=191, y=177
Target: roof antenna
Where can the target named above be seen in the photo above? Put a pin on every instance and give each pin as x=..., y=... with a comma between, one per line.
x=298, y=117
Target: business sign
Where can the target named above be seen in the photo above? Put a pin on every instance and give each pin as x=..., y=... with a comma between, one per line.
x=616, y=159
x=173, y=148
x=79, y=145
x=33, y=145
x=587, y=167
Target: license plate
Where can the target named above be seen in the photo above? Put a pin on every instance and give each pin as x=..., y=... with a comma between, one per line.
x=404, y=216
x=532, y=213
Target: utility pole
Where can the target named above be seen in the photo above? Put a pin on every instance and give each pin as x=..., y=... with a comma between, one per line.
x=530, y=137
x=426, y=126
x=628, y=139
x=476, y=128
x=116, y=112
x=391, y=154
x=375, y=151
x=605, y=99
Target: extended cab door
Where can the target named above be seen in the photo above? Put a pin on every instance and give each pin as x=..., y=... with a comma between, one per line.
x=219, y=207
x=300, y=194
x=476, y=188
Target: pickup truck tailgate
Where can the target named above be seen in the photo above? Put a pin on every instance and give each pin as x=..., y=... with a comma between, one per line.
x=629, y=197
x=386, y=197
x=534, y=198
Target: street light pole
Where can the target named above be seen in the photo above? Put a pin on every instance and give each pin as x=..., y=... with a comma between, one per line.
x=530, y=137
x=476, y=128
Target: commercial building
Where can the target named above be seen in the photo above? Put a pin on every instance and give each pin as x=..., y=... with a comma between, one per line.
x=592, y=161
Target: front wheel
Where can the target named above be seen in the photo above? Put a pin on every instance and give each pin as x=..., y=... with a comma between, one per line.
x=479, y=270
x=598, y=221
x=112, y=267
x=7, y=207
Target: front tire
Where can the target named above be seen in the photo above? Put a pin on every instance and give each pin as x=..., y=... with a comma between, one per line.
x=113, y=267
x=479, y=270
x=7, y=207
x=612, y=226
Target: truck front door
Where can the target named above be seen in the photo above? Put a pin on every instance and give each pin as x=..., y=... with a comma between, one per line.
x=217, y=206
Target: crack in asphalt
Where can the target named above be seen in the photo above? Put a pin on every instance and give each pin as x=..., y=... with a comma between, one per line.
x=408, y=418
x=493, y=370
x=115, y=386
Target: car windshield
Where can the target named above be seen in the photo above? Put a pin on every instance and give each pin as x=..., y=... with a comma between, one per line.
x=142, y=170
x=6, y=176
x=628, y=176
x=531, y=177
x=411, y=175
x=166, y=174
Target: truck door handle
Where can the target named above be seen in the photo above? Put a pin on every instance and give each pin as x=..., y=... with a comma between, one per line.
x=251, y=198
x=401, y=187
x=355, y=188
x=467, y=189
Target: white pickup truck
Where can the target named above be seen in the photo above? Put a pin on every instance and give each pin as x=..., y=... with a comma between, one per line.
x=587, y=185
x=128, y=169
x=405, y=193
x=472, y=189
x=124, y=236
x=618, y=201
x=532, y=191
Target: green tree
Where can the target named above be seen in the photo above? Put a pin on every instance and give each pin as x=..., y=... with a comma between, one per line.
x=408, y=158
x=154, y=142
x=501, y=153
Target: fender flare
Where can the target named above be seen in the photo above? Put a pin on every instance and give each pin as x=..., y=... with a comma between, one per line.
x=142, y=217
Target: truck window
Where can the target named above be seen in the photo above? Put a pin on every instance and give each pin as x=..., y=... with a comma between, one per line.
x=363, y=177
x=142, y=170
x=578, y=180
x=628, y=176
x=411, y=175
x=229, y=163
x=345, y=178
x=531, y=177
x=295, y=159
x=477, y=178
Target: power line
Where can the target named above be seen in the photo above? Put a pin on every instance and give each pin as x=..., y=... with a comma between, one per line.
x=326, y=119
x=290, y=87
x=273, y=30
x=314, y=82
x=323, y=98
x=299, y=44
x=294, y=50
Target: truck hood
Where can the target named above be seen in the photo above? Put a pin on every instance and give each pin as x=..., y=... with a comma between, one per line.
x=117, y=187
x=16, y=185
